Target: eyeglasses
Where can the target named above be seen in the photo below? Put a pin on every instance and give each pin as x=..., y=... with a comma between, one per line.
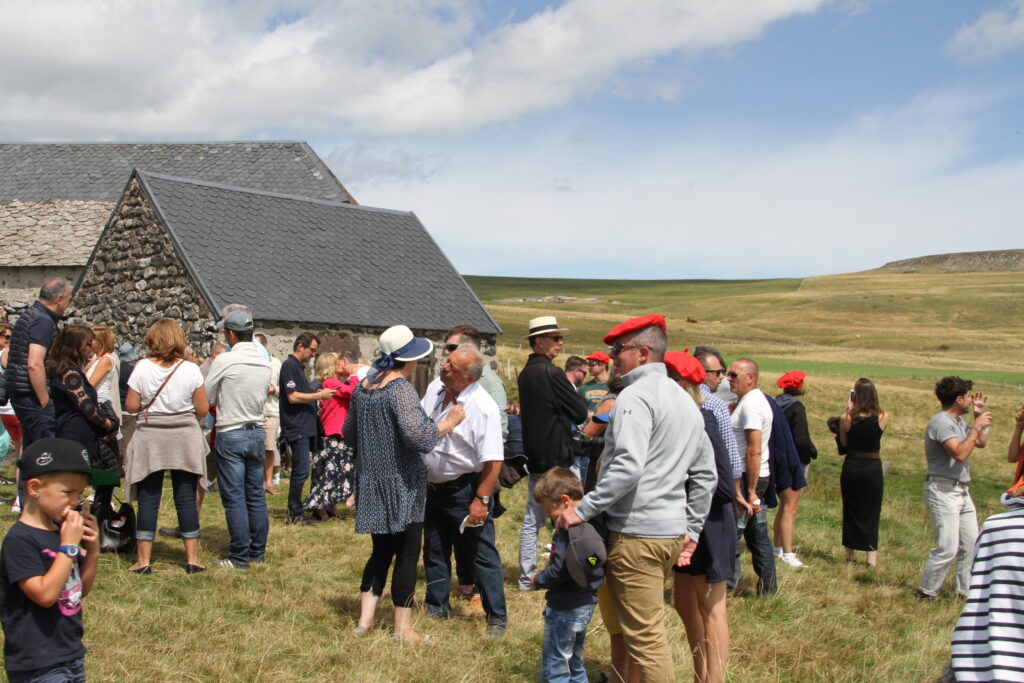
x=619, y=347
x=718, y=372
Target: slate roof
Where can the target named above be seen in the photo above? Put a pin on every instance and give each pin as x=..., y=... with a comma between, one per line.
x=39, y=172
x=303, y=260
x=55, y=198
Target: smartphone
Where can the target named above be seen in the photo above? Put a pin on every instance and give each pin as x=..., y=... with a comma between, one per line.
x=851, y=395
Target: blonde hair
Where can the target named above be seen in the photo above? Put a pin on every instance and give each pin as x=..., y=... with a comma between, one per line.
x=692, y=390
x=325, y=365
x=165, y=340
x=105, y=336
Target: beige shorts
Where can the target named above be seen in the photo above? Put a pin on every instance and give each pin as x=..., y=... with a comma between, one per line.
x=271, y=427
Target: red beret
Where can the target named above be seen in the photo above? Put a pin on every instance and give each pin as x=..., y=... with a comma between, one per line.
x=686, y=366
x=632, y=325
x=600, y=357
x=794, y=379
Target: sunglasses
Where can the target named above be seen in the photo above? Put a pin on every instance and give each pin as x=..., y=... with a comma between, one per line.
x=733, y=375
x=594, y=363
x=619, y=347
x=554, y=337
x=5, y=336
x=718, y=372
x=451, y=348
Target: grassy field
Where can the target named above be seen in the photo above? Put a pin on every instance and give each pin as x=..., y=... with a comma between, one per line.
x=290, y=619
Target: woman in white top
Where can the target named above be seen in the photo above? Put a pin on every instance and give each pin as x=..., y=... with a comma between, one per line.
x=104, y=369
x=167, y=393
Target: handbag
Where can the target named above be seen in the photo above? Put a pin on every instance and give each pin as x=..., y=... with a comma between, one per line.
x=117, y=527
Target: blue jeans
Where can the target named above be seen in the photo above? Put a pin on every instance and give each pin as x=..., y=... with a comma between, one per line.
x=300, y=473
x=561, y=656
x=36, y=423
x=65, y=672
x=447, y=505
x=149, y=491
x=240, y=472
x=755, y=532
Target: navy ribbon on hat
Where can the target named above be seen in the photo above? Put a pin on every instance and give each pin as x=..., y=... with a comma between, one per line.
x=380, y=366
x=386, y=362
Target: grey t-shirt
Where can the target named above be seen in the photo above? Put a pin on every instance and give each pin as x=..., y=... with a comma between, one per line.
x=942, y=428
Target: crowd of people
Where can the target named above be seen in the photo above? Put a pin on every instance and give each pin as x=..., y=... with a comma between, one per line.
x=652, y=468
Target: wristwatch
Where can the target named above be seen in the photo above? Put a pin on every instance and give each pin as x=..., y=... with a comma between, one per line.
x=484, y=499
x=71, y=551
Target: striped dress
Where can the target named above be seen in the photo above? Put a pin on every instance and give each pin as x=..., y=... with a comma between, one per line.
x=988, y=642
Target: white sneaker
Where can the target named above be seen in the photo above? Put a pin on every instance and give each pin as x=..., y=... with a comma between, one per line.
x=777, y=550
x=277, y=479
x=792, y=560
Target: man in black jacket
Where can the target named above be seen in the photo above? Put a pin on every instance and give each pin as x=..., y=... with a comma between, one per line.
x=549, y=408
x=26, y=360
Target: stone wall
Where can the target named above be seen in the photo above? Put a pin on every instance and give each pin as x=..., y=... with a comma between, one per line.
x=60, y=232
x=135, y=277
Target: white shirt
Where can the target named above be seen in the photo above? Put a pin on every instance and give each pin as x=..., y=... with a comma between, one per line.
x=177, y=395
x=237, y=385
x=753, y=412
x=272, y=404
x=476, y=440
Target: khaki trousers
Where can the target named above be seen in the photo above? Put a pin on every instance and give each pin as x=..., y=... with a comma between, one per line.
x=635, y=572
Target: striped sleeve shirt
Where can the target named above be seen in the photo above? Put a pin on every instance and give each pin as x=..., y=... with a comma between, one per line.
x=721, y=413
x=987, y=641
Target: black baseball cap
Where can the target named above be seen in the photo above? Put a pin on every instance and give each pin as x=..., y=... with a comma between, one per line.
x=47, y=456
x=586, y=553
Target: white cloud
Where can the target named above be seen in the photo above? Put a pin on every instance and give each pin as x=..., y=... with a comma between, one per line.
x=994, y=33
x=362, y=163
x=193, y=69
x=889, y=185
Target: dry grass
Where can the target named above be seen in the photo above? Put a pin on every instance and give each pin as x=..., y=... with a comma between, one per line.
x=290, y=619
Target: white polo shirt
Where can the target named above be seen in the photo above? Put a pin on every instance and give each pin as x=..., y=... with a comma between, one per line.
x=476, y=440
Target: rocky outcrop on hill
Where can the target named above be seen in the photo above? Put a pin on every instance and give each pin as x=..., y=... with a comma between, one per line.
x=964, y=262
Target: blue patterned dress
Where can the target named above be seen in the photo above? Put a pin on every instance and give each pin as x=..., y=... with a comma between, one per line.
x=389, y=430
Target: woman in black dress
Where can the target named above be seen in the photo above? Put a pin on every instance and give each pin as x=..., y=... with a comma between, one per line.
x=860, y=436
x=76, y=407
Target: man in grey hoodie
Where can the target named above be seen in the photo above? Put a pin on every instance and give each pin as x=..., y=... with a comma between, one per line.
x=655, y=484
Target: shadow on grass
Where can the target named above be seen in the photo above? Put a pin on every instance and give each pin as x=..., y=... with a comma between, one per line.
x=347, y=607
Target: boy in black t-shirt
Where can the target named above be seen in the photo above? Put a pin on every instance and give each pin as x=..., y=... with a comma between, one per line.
x=44, y=574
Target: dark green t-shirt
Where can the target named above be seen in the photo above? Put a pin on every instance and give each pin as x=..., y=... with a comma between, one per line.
x=593, y=393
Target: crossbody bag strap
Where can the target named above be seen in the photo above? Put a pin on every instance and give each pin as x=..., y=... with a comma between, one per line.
x=145, y=411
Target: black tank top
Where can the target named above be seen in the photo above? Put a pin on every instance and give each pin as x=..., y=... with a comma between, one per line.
x=865, y=436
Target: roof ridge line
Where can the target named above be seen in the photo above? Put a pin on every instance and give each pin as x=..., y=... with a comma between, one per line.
x=155, y=142
x=279, y=195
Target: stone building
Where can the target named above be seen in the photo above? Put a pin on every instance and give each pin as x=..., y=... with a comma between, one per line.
x=184, y=248
x=56, y=198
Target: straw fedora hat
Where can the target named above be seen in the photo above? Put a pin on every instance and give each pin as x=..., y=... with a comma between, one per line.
x=545, y=324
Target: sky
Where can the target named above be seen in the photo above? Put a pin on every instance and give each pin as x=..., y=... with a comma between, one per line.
x=585, y=138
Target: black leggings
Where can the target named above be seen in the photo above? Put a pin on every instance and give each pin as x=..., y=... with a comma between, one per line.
x=405, y=548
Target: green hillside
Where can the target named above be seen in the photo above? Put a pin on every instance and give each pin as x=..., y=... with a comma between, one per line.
x=928, y=320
